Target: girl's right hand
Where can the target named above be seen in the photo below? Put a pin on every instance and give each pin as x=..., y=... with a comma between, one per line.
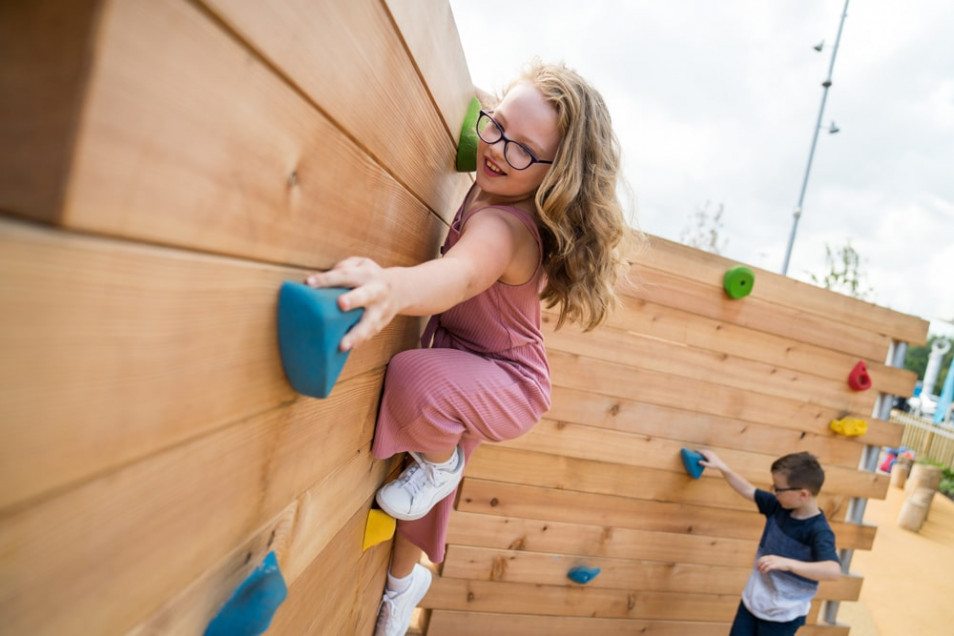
x=371, y=288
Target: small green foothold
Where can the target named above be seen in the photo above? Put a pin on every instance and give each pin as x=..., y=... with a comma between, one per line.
x=467, y=145
x=738, y=281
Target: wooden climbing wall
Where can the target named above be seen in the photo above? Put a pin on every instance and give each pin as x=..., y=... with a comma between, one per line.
x=166, y=165
x=599, y=481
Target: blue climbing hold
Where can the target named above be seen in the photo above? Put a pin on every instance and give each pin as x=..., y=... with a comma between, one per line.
x=582, y=575
x=690, y=461
x=249, y=610
x=310, y=328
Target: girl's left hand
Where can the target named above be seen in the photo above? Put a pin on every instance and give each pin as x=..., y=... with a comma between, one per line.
x=371, y=288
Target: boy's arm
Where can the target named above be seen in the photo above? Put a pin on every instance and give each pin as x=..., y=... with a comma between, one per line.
x=739, y=483
x=814, y=570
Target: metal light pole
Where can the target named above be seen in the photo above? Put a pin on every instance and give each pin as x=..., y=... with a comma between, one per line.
x=797, y=213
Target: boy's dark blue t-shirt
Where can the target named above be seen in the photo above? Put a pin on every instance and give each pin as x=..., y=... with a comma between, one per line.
x=784, y=596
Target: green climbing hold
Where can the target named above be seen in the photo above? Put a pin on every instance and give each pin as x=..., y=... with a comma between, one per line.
x=738, y=281
x=467, y=146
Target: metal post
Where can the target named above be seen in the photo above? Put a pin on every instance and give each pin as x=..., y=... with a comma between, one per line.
x=797, y=213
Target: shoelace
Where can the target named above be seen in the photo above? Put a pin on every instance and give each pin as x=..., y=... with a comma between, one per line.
x=419, y=473
x=385, y=610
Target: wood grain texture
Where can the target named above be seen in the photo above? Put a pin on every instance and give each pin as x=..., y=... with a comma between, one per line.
x=520, y=598
x=518, y=566
x=46, y=47
x=363, y=79
x=188, y=139
x=430, y=34
x=708, y=397
x=792, y=294
x=701, y=429
x=530, y=502
x=677, y=325
x=651, y=353
x=467, y=623
x=754, y=312
x=182, y=512
x=587, y=539
x=116, y=351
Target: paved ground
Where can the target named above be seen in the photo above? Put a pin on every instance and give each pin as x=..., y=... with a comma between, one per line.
x=909, y=577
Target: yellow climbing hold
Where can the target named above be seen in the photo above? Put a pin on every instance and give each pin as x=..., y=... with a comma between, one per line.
x=849, y=426
x=379, y=528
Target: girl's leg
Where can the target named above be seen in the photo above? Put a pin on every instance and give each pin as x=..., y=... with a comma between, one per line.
x=439, y=457
x=403, y=556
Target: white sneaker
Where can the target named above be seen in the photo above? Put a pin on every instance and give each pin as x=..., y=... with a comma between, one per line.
x=419, y=488
x=394, y=613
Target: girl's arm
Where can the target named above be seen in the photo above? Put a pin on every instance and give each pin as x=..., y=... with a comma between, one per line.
x=489, y=244
x=739, y=483
x=814, y=570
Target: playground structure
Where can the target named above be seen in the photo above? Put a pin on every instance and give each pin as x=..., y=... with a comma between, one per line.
x=169, y=164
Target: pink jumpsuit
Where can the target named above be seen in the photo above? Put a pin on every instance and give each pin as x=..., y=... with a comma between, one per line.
x=484, y=377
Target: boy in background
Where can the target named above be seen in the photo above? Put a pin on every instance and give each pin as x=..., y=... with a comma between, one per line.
x=797, y=548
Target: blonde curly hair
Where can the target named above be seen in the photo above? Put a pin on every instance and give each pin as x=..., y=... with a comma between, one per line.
x=581, y=220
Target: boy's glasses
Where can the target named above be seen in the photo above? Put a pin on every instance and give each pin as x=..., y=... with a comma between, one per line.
x=777, y=490
x=517, y=155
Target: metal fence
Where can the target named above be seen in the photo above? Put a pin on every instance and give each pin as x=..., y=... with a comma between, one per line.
x=928, y=441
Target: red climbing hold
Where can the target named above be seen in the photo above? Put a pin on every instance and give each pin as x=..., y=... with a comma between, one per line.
x=858, y=379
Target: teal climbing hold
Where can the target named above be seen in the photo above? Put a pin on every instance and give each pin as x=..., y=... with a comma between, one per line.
x=738, y=281
x=690, y=461
x=250, y=609
x=310, y=328
x=582, y=575
x=467, y=145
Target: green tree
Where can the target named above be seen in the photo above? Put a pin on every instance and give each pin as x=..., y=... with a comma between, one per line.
x=844, y=273
x=704, y=228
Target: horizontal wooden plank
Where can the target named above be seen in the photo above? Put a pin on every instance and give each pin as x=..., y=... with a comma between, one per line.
x=530, y=465
x=706, y=267
x=585, y=442
x=753, y=312
x=46, y=48
x=259, y=173
x=695, y=429
x=116, y=350
x=520, y=598
x=529, y=502
x=366, y=83
x=112, y=551
x=669, y=323
x=652, y=387
x=524, y=465
x=514, y=533
x=464, y=623
x=483, y=564
x=675, y=358
x=430, y=34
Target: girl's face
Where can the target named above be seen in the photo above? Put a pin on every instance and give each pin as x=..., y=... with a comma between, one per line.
x=523, y=116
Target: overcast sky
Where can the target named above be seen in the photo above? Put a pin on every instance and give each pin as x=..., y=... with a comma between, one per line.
x=716, y=103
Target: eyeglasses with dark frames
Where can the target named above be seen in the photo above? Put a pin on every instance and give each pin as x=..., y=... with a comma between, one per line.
x=777, y=490
x=517, y=155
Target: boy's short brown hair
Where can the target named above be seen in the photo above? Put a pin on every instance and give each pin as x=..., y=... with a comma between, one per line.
x=802, y=470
